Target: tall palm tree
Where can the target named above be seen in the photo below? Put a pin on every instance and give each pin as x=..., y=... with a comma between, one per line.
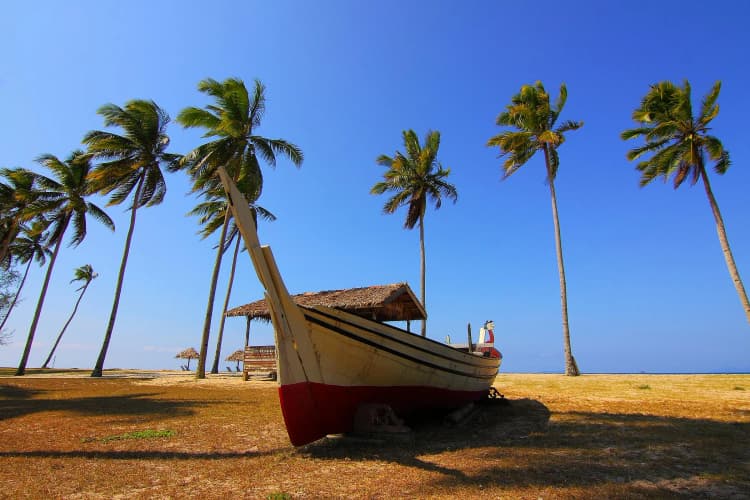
x=212, y=213
x=86, y=274
x=415, y=178
x=131, y=165
x=29, y=247
x=681, y=145
x=63, y=201
x=231, y=122
x=531, y=114
x=17, y=199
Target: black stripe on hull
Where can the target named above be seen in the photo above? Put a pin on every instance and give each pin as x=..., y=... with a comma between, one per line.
x=399, y=341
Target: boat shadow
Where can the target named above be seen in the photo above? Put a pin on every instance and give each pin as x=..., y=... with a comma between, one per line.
x=490, y=423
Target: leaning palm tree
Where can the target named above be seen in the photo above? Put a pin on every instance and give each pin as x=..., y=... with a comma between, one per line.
x=534, y=118
x=212, y=213
x=17, y=199
x=30, y=246
x=231, y=122
x=86, y=274
x=414, y=178
x=681, y=145
x=131, y=164
x=63, y=202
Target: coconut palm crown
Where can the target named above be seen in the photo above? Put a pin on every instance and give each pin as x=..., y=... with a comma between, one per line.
x=680, y=145
x=534, y=118
x=232, y=121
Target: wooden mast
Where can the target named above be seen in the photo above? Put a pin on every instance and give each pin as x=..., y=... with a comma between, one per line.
x=292, y=336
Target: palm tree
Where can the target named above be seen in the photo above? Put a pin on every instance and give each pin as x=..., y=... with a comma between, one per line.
x=212, y=213
x=415, y=178
x=232, y=121
x=681, y=144
x=131, y=165
x=63, y=201
x=29, y=247
x=86, y=274
x=17, y=199
x=534, y=118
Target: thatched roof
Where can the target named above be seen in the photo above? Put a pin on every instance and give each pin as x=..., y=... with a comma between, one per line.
x=188, y=353
x=395, y=302
x=237, y=355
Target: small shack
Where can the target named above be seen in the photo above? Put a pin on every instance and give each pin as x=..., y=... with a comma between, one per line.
x=394, y=302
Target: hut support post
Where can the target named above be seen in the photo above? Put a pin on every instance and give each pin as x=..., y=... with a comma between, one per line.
x=247, y=343
x=247, y=332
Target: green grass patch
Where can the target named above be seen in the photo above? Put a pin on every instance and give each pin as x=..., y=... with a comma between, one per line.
x=644, y=387
x=279, y=496
x=147, y=434
x=738, y=388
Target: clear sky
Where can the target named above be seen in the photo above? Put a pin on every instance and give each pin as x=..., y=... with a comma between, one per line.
x=647, y=283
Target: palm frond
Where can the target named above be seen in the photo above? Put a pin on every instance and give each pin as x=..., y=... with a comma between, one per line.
x=99, y=214
x=191, y=117
x=723, y=163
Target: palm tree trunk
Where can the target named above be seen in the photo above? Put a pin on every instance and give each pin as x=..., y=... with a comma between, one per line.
x=32, y=330
x=59, y=337
x=215, y=367
x=422, y=270
x=571, y=367
x=725, y=245
x=97, y=371
x=18, y=293
x=200, y=370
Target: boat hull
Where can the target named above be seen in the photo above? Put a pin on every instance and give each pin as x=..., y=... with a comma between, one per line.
x=361, y=362
x=312, y=410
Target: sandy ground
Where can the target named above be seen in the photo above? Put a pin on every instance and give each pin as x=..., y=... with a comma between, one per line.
x=159, y=377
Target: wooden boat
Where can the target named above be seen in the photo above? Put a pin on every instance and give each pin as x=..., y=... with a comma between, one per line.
x=332, y=363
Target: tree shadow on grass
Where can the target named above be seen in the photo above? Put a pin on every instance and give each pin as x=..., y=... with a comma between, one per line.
x=20, y=403
x=613, y=453
x=16, y=392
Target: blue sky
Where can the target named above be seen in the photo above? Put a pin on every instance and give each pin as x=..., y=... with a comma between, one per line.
x=648, y=287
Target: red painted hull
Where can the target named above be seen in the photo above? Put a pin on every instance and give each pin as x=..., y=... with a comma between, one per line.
x=312, y=410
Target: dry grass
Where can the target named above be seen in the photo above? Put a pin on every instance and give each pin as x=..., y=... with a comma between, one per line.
x=66, y=435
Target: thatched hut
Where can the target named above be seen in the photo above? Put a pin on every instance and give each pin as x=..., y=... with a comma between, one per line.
x=394, y=302
x=238, y=355
x=188, y=354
